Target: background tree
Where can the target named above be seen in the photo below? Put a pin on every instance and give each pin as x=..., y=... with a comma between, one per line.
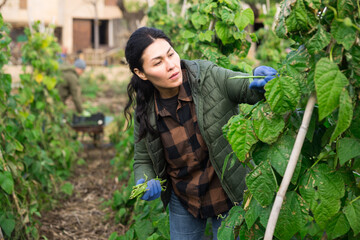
x=132, y=17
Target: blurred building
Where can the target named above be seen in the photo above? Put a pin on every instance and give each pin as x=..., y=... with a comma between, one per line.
x=74, y=21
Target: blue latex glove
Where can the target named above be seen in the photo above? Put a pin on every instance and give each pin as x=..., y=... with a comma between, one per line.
x=153, y=189
x=259, y=83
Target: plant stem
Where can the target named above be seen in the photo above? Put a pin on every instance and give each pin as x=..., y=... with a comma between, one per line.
x=243, y=77
x=270, y=228
x=358, y=197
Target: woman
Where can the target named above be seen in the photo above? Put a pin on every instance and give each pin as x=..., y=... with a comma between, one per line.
x=181, y=107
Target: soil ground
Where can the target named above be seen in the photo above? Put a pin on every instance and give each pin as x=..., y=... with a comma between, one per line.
x=83, y=215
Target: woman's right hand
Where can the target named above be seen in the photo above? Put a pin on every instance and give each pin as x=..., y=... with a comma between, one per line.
x=153, y=189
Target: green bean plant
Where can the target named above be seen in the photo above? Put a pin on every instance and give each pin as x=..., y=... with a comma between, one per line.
x=210, y=29
x=323, y=198
x=36, y=147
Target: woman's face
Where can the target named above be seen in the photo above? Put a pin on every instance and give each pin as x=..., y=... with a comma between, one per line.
x=162, y=68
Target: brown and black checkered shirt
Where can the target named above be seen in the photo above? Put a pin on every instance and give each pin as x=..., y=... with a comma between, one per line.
x=194, y=180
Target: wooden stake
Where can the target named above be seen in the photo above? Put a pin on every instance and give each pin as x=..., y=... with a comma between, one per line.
x=270, y=228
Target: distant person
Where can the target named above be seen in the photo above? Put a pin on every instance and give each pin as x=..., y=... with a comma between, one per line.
x=70, y=86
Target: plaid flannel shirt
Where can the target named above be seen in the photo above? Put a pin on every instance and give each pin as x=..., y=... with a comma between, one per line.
x=193, y=178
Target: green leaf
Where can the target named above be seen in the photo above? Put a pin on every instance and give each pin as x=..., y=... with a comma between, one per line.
x=262, y=184
x=319, y=41
x=6, y=182
x=282, y=94
x=322, y=188
x=67, y=188
x=198, y=20
x=187, y=34
x=223, y=32
x=267, y=125
x=298, y=18
x=231, y=156
x=352, y=213
x=50, y=82
x=329, y=82
x=244, y=18
x=343, y=34
x=293, y=216
x=227, y=16
x=345, y=8
x=252, y=213
x=297, y=62
x=240, y=134
x=347, y=148
x=279, y=156
x=235, y=218
x=207, y=36
x=337, y=226
x=345, y=115
x=143, y=229
x=8, y=226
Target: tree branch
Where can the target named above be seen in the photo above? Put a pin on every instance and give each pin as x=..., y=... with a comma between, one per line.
x=1, y=5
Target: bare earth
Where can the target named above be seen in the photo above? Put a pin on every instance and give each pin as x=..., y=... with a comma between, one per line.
x=83, y=215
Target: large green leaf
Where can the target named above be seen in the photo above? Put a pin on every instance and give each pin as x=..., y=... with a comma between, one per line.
x=343, y=34
x=319, y=41
x=297, y=62
x=293, y=216
x=223, y=32
x=199, y=19
x=244, y=18
x=337, y=226
x=227, y=16
x=329, y=82
x=300, y=19
x=345, y=115
x=261, y=183
x=6, y=182
x=285, y=10
x=297, y=20
x=240, y=134
x=279, y=155
x=235, y=218
x=347, y=148
x=322, y=188
x=8, y=226
x=267, y=125
x=325, y=210
x=282, y=94
x=352, y=213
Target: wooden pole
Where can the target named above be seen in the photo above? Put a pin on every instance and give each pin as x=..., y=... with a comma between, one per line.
x=270, y=228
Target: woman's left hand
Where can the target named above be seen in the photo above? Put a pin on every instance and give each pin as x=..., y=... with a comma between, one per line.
x=259, y=83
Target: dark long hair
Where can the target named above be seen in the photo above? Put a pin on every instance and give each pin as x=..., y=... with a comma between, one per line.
x=139, y=90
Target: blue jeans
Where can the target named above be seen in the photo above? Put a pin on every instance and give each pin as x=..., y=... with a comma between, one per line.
x=184, y=226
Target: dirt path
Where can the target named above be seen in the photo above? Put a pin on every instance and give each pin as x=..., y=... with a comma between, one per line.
x=83, y=216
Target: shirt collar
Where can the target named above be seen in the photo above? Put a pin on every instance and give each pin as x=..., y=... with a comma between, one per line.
x=184, y=95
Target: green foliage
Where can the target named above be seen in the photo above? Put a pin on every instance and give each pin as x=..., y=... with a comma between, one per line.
x=212, y=30
x=36, y=148
x=323, y=196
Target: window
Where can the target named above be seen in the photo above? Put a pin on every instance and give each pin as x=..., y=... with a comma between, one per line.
x=110, y=2
x=23, y=4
